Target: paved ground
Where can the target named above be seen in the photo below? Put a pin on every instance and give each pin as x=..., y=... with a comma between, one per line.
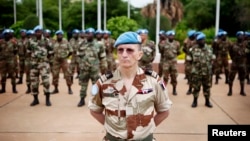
x=64, y=121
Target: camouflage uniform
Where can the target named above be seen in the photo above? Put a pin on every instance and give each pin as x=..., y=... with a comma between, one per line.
x=129, y=114
x=238, y=56
x=8, y=49
x=248, y=57
x=92, y=61
x=221, y=51
x=109, y=49
x=40, y=51
x=22, y=49
x=148, y=49
x=74, y=64
x=168, y=62
x=201, y=59
x=61, y=52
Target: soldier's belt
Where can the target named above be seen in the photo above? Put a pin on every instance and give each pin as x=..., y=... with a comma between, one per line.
x=109, y=137
x=115, y=113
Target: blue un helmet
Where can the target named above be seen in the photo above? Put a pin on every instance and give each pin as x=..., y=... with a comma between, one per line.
x=30, y=32
x=76, y=31
x=59, y=32
x=47, y=31
x=98, y=31
x=128, y=37
x=38, y=27
x=90, y=30
x=170, y=32
x=6, y=31
x=238, y=33
x=191, y=33
x=161, y=32
x=142, y=31
x=107, y=32
x=23, y=30
x=201, y=36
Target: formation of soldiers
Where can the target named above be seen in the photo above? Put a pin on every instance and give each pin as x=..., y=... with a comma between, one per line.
x=90, y=53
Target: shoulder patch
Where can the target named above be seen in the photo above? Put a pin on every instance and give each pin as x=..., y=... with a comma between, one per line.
x=106, y=76
x=151, y=73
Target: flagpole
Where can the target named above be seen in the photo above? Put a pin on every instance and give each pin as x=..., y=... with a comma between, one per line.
x=99, y=14
x=60, y=15
x=83, y=22
x=41, y=13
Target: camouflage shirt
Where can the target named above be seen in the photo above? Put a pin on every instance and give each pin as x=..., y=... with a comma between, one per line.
x=40, y=49
x=129, y=113
x=201, y=59
x=62, y=49
x=22, y=47
x=170, y=50
x=8, y=49
x=148, y=53
x=92, y=54
x=221, y=48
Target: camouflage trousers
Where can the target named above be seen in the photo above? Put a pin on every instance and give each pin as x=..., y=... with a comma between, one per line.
x=74, y=65
x=188, y=68
x=59, y=64
x=111, y=63
x=220, y=64
x=8, y=67
x=27, y=70
x=40, y=68
x=237, y=68
x=204, y=81
x=21, y=65
x=169, y=68
x=86, y=74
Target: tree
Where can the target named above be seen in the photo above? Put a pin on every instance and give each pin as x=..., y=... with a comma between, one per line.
x=118, y=25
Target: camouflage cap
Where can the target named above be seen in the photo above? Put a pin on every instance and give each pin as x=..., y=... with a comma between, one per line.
x=128, y=37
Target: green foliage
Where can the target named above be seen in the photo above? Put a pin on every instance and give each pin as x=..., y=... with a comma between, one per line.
x=30, y=22
x=118, y=25
x=210, y=34
x=17, y=27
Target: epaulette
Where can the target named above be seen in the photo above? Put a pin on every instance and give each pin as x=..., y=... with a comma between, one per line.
x=106, y=76
x=151, y=73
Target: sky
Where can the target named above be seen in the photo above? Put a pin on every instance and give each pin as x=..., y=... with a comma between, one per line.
x=140, y=3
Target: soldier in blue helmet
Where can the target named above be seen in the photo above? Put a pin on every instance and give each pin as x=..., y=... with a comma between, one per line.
x=188, y=43
x=61, y=51
x=8, y=60
x=168, y=61
x=109, y=49
x=247, y=40
x=238, y=56
x=92, y=62
x=127, y=98
x=40, y=50
x=201, y=57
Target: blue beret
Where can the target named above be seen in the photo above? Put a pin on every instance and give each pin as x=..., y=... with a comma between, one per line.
x=59, y=32
x=142, y=31
x=75, y=31
x=170, y=32
x=6, y=31
x=38, y=27
x=47, y=31
x=161, y=32
x=106, y=32
x=90, y=30
x=23, y=30
x=30, y=32
x=201, y=36
x=98, y=31
x=191, y=33
x=239, y=33
x=128, y=37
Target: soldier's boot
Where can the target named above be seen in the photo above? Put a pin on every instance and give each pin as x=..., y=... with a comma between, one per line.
x=28, y=89
x=189, y=90
x=194, y=104
x=14, y=89
x=242, y=92
x=20, y=81
x=35, y=101
x=47, y=101
x=82, y=102
x=70, y=90
x=3, y=88
x=55, y=90
x=208, y=104
x=217, y=79
x=174, y=90
x=230, y=89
